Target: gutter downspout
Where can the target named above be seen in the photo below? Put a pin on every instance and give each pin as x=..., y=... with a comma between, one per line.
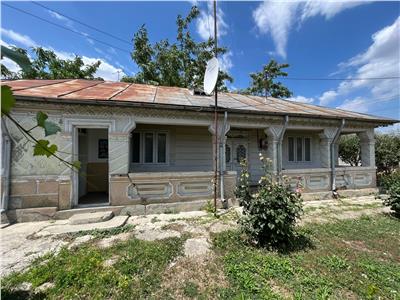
x=332, y=150
x=5, y=166
x=279, y=146
x=222, y=161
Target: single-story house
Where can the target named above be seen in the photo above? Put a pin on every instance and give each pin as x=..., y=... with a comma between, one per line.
x=144, y=146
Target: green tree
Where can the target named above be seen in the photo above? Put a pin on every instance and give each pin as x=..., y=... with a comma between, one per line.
x=181, y=63
x=264, y=83
x=47, y=65
x=42, y=147
x=349, y=149
x=387, y=152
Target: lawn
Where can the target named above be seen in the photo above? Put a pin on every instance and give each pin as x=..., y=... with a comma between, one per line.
x=352, y=259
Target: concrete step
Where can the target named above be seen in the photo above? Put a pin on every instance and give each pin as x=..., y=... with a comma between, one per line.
x=92, y=217
x=66, y=214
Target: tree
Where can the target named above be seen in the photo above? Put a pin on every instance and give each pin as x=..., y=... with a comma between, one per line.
x=47, y=65
x=387, y=152
x=41, y=147
x=349, y=149
x=263, y=82
x=181, y=63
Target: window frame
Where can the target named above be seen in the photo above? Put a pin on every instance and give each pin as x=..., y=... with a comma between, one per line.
x=155, y=147
x=303, y=149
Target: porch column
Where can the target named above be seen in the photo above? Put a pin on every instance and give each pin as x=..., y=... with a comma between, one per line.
x=221, y=144
x=367, y=143
x=326, y=138
x=273, y=133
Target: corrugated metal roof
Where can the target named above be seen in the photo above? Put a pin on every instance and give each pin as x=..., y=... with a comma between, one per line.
x=79, y=89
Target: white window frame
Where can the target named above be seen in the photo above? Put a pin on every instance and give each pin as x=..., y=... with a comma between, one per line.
x=155, y=148
x=303, y=145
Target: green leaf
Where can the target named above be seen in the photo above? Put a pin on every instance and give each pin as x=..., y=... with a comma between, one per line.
x=42, y=148
x=7, y=99
x=41, y=117
x=51, y=128
x=76, y=164
x=21, y=59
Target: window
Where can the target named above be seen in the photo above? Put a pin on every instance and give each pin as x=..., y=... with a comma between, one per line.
x=299, y=149
x=149, y=147
x=161, y=147
x=136, y=147
x=227, y=154
x=240, y=153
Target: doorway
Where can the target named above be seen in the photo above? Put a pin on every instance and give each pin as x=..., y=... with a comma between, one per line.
x=93, y=174
x=236, y=150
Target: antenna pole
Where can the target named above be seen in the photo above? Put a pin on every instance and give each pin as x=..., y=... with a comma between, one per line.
x=215, y=116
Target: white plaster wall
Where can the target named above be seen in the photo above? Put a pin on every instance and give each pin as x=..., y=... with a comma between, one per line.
x=93, y=136
x=24, y=163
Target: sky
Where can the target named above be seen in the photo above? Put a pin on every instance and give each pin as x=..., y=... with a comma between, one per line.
x=331, y=40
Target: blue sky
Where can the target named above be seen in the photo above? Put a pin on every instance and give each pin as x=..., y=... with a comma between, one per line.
x=318, y=39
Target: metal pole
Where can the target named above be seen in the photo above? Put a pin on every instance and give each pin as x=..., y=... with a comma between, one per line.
x=215, y=117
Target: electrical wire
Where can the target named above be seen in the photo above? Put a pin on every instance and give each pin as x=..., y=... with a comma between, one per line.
x=339, y=79
x=82, y=23
x=65, y=28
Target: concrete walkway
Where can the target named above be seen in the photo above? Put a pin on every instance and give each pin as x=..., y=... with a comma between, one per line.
x=22, y=242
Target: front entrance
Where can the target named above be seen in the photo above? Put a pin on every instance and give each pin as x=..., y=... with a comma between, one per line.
x=236, y=149
x=93, y=174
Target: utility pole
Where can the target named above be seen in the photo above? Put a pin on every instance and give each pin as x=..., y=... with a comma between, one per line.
x=215, y=116
x=118, y=71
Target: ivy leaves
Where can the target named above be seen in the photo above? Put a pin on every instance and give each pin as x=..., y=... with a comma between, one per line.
x=42, y=148
x=7, y=99
x=50, y=128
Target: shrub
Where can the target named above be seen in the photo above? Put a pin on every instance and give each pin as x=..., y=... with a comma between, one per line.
x=242, y=191
x=391, y=182
x=270, y=218
x=349, y=149
x=387, y=152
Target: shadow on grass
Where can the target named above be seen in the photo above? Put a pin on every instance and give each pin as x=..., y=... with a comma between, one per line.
x=21, y=295
x=299, y=242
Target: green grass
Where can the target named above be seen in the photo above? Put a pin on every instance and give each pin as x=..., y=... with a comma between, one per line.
x=352, y=259
x=358, y=259
x=82, y=274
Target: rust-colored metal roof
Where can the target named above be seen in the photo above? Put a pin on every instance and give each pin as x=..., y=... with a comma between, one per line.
x=121, y=92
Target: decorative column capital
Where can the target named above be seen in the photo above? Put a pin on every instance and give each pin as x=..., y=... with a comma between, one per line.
x=221, y=130
x=273, y=132
x=367, y=136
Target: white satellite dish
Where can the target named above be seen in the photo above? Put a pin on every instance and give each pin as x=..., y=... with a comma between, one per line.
x=211, y=75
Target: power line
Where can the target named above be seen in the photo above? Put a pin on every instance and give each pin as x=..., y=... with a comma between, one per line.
x=65, y=28
x=82, y=23
x=340, y=79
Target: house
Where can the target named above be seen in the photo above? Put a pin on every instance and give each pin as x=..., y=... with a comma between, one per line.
x=146, y=147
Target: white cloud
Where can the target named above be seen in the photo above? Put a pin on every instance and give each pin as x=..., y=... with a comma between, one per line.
x=10, y=65
x=278, y=18
x=301, y=99
x=327, y=97
x=105, y=70
x=205, y=22
x=358, y=104
x=19, y=38
x=381, y=59
x=225, y=61
x=61, y=18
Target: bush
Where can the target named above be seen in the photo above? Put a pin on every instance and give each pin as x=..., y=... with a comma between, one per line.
x=349, y=149
x=270, y=218
x=242, y=191
x=391, y=182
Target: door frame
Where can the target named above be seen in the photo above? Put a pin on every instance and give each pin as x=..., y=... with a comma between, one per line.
x=233, y=142
x=95, y=124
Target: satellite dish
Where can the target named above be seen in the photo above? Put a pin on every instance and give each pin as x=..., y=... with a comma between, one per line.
x=211, y=75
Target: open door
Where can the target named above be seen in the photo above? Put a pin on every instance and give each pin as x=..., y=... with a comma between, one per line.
x=93, y=175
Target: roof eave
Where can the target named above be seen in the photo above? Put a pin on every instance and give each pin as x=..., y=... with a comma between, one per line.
x=378, y=122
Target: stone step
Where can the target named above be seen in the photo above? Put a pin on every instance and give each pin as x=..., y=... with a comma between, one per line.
x=66, y=214
x=93, y=217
